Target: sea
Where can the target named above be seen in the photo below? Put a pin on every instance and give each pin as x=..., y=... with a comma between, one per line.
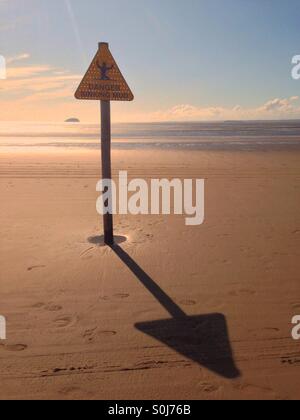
x=227, y=135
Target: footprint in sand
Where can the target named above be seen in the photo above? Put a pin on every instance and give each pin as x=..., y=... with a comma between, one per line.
x=104, y=298
x=208, y=388
x=35, y=267
x=65, y=321
x=53, y=308
x=107, y=333
x=48, y=307
x=121, y=295
x=38, y=305
x=272, y=329
x=188, y=302
x=14, y=347
x=91, y=335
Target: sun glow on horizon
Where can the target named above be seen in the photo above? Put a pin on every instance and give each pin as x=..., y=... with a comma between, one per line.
x=173, y=74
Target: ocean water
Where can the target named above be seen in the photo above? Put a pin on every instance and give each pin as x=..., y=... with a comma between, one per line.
x=256, y=135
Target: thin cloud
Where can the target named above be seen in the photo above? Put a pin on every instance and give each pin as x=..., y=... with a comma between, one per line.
x=273, y=109
x=39, y=95
x=25, y=72
x=42, y=92
x=16, y=58
x=37, y=85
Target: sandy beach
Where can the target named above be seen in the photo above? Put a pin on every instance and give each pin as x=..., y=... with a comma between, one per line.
x=172, y=312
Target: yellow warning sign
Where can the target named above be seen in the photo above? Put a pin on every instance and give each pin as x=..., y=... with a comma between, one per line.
x=103, y=80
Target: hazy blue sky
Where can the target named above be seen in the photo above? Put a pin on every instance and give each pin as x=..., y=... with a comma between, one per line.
x=184, y=58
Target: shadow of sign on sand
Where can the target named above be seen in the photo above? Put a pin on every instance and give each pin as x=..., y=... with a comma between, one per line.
x=202, y=338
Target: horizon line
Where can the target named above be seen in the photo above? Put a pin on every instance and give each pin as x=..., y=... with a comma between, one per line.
x=154, y=122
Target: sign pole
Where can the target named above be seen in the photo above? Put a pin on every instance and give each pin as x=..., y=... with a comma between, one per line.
x=104, y=82
x=106, y=168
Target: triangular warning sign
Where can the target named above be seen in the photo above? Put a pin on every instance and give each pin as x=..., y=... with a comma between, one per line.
x=103, y=80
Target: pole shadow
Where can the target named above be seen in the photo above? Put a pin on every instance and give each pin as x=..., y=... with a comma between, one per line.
x=100, y=240
x=203, y=339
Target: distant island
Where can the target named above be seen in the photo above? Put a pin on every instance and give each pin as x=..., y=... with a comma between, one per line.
x=72, y=120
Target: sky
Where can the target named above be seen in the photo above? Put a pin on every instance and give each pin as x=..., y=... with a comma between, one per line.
x=184, y=60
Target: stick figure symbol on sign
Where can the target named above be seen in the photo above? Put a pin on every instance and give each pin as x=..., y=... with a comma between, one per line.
x=104, y=69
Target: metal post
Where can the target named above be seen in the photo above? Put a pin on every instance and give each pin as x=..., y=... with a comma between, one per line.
x=106, y=166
